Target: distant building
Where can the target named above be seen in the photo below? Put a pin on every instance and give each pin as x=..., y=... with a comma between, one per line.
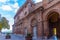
x=39, y=19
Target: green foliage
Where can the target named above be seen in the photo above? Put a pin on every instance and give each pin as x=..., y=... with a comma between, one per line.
x=4, y=23
x=0, y=25
x=29, y=34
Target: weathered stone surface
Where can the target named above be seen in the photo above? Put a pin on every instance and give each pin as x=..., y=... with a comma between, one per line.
x=24, y=19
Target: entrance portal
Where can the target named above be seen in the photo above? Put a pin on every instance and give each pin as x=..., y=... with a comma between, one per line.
x=54, y=25
x=34, y=28
x=34, y=32
x=25, y=31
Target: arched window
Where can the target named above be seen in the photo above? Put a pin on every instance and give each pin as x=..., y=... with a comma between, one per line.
x=29, y=4
x=25, y=30
x=25, y=13
x=18, y=17
x=34, y=28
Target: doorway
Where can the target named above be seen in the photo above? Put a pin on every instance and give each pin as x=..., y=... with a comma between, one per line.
x=34, y=27
x=35, y=31
x=54, y=25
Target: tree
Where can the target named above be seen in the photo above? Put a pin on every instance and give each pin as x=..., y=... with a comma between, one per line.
x=4, y=23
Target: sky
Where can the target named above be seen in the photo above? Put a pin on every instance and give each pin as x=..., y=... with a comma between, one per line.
x=8, y=9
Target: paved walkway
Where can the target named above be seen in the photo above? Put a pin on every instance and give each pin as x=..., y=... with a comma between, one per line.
x=13, y=37
x=17, y=37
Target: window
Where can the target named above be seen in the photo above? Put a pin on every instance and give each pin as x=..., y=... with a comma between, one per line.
x=29, y=4
x=25, y=31
x=18, y=17
x=25, y=6
x=50, y=1
x=25, y=13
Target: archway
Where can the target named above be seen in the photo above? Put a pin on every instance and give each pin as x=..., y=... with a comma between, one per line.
x=54, y=24
x=34, y=28
x=25, y=31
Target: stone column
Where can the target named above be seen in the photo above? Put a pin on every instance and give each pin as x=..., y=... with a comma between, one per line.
x=29, y=28
x=46, y=29
x=40, y=19
x=39, y=29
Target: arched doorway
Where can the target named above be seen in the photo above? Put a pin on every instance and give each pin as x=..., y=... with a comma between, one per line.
x=54, y=24
x=25, y=31
x=34, y=28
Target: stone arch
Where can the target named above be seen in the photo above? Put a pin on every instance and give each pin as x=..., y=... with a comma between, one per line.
x=54, y=16
x=34, y=26
x=33, y=22
x=49, y=12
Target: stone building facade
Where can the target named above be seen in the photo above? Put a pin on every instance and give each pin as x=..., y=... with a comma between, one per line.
x=39, y=19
